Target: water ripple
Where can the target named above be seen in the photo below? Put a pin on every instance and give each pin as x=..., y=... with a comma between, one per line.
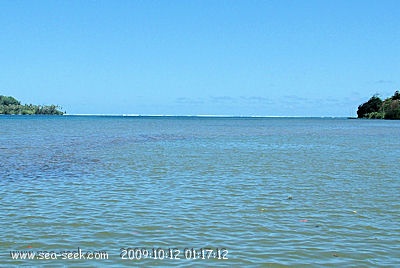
x=274, y=192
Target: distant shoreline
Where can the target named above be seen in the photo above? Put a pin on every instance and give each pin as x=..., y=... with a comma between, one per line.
x=11, y=106
x=191, y=116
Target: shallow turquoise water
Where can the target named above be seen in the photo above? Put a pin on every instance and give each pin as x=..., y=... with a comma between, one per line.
x=106, y=183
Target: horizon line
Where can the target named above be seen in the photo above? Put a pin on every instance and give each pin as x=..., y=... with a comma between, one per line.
x=206, y=115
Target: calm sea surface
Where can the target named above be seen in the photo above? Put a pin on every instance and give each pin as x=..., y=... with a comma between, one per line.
x=263, y=191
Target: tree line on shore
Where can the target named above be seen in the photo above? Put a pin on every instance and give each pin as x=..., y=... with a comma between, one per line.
x=10, y=105
x=376, y=108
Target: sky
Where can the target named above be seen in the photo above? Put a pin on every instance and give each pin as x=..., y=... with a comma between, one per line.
x=236, y=57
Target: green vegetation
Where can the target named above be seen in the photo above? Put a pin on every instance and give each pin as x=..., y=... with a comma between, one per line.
x=375, y=108
x=10, y=105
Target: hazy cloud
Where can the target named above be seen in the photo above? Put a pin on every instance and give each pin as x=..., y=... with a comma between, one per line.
x=382, y=81
x=256, y=99
x=292, y=99
x=220, y=99
x=184, y=100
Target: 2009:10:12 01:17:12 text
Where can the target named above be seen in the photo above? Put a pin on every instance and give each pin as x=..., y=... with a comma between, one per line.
x=173, y=253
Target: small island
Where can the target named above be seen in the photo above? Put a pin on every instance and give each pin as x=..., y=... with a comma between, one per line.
x=375, y=108
x=10, y=105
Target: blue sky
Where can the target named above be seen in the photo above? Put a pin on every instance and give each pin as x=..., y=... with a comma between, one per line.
x=272, y=58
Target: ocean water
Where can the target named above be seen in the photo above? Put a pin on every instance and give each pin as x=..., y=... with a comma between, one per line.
x=213, y=192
